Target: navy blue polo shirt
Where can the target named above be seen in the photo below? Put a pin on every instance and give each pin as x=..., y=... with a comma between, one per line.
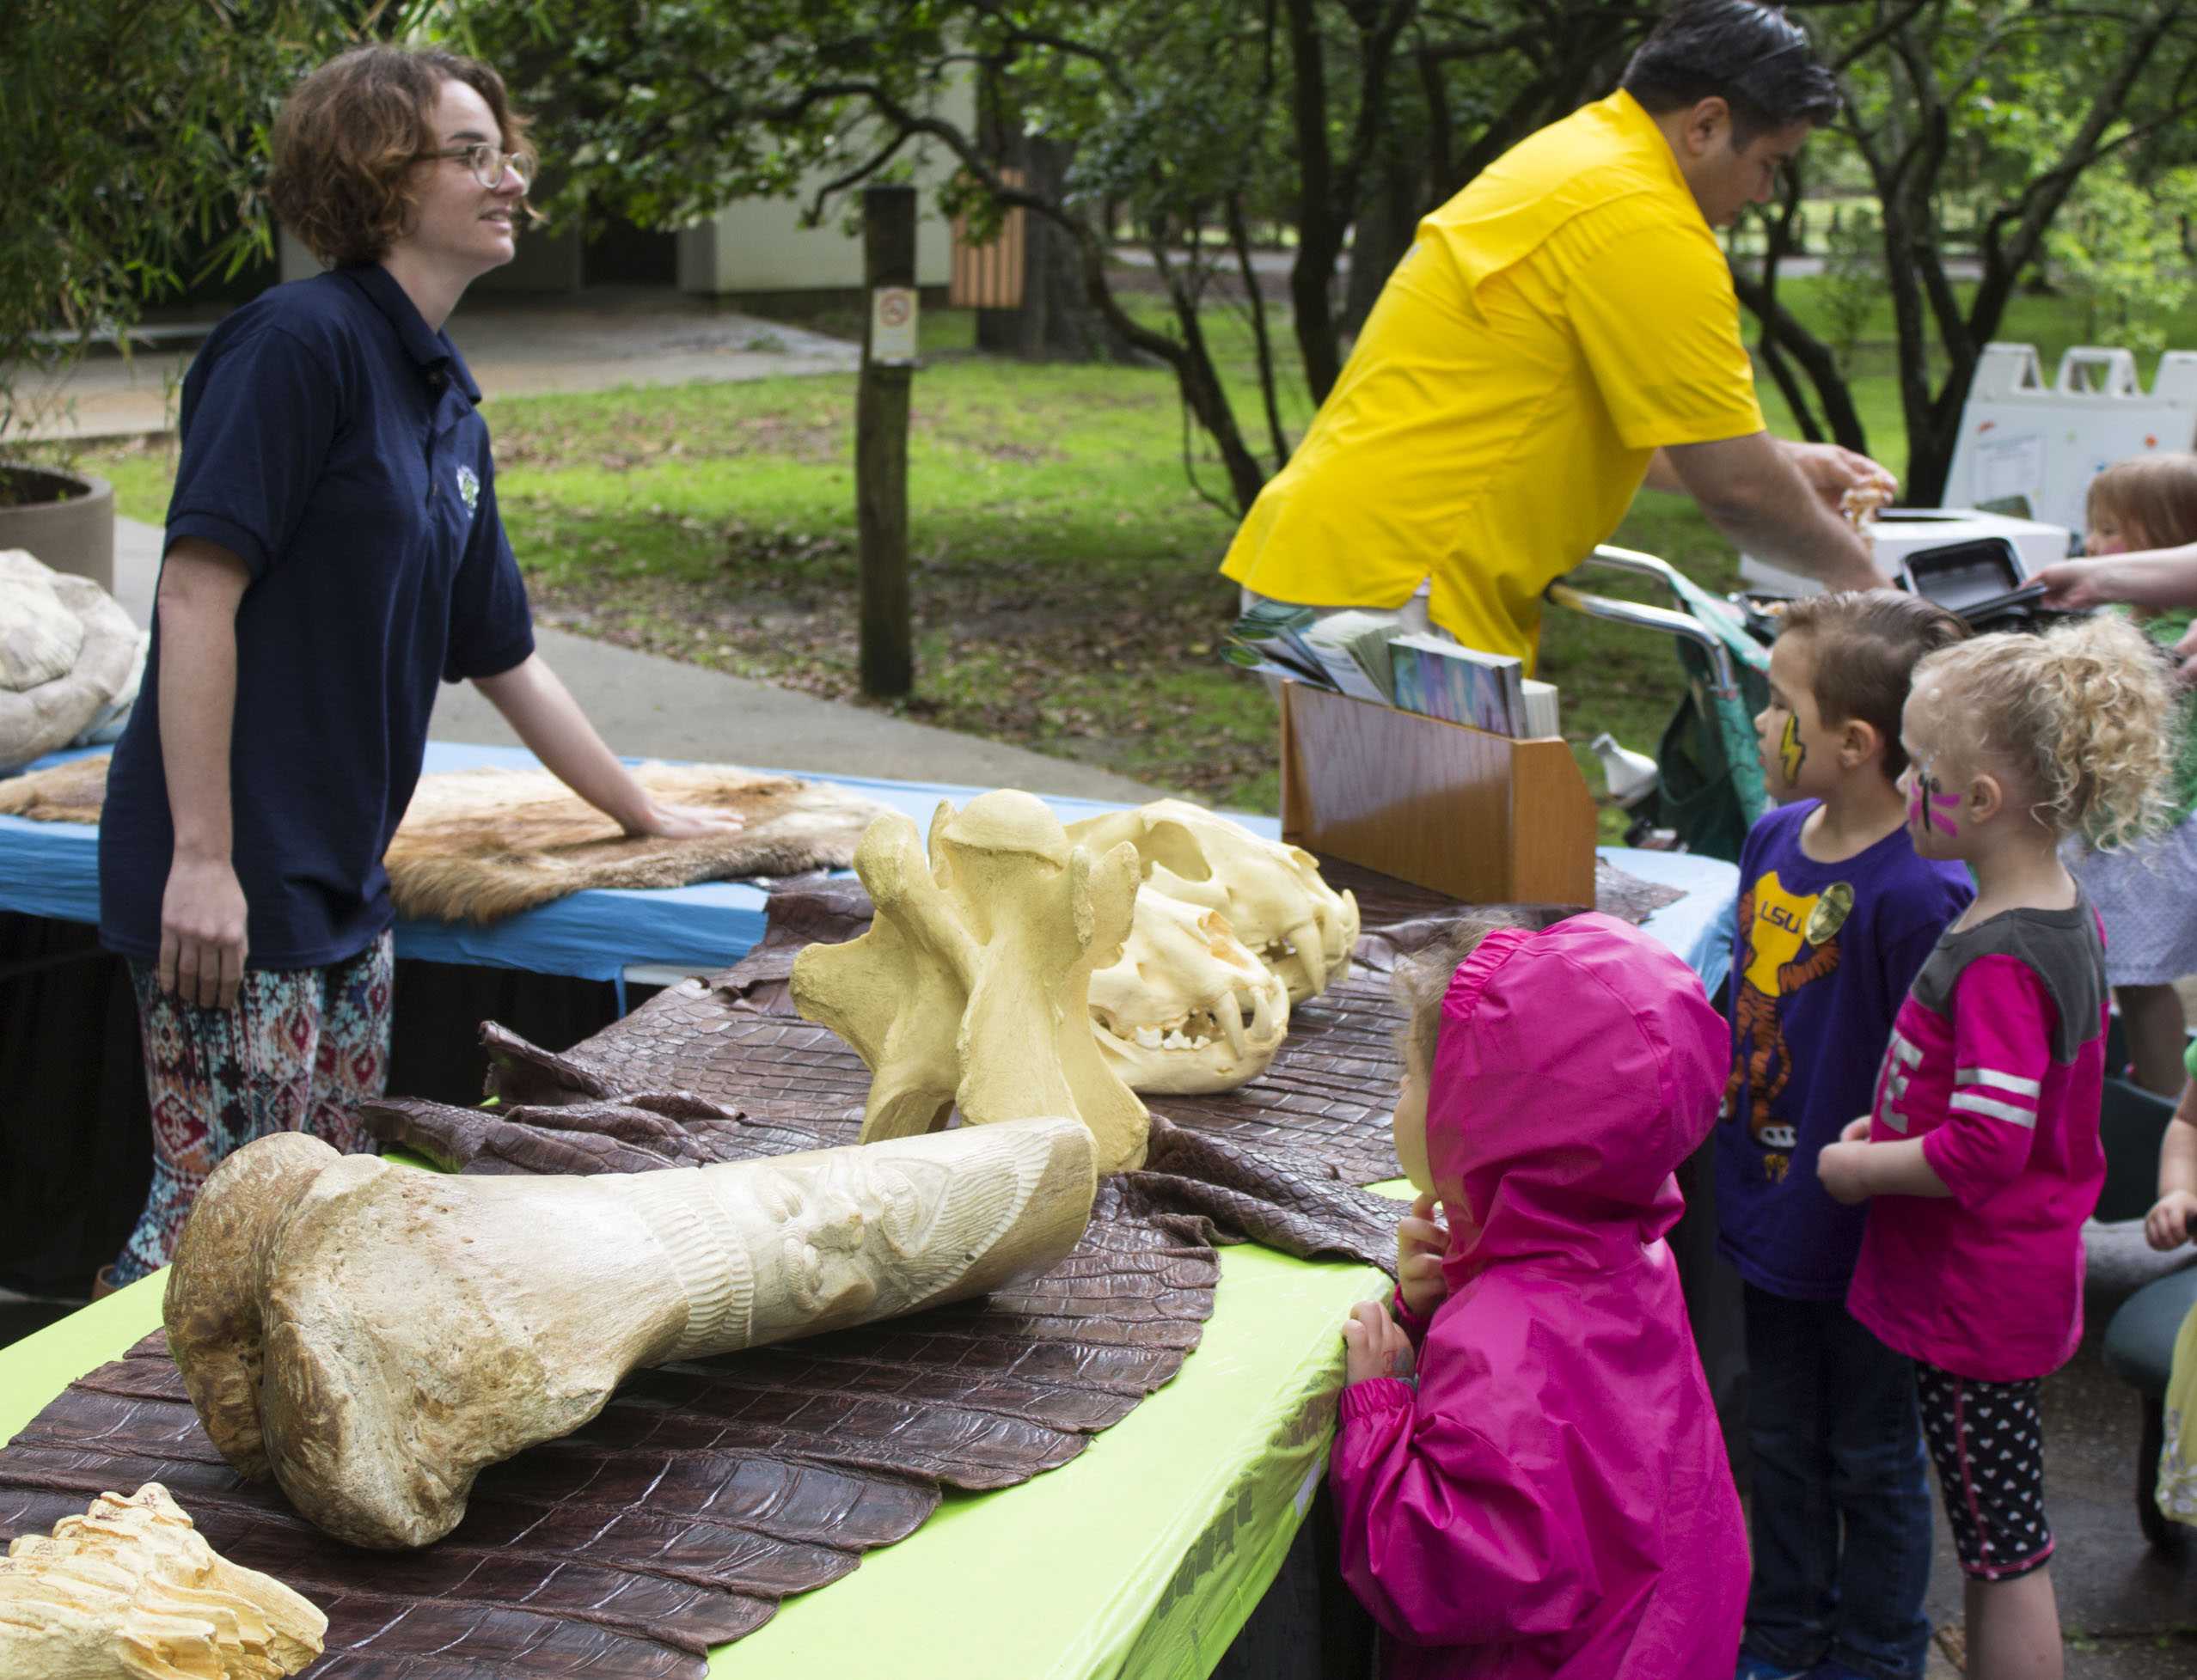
x=332, y=441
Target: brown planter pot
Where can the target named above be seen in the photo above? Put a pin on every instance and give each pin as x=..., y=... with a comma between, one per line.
x=72, y=534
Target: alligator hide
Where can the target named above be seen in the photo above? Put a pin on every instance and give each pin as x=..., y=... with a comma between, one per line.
x=706, y=1491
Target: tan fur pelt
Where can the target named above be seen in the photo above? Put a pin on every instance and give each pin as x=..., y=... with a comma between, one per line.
x=70, y=792
x=481, y=845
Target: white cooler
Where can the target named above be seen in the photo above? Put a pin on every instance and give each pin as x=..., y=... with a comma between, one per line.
x=1898, y=532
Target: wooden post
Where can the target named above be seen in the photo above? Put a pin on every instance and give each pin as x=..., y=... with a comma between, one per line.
x=881, y=453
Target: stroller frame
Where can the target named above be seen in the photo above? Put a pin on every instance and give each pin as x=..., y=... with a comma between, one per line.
x=1709, y=788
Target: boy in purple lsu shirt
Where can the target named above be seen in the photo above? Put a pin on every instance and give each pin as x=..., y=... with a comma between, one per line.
x=1836, y=915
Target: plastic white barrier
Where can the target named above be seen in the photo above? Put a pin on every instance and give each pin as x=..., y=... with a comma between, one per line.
x=2025, y=444
x=2020, y=437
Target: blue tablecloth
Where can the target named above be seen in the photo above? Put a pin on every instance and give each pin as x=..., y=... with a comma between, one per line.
x=51, y=869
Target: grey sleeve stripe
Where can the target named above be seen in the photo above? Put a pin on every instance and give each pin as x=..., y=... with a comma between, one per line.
x=1986, y=1105
x=1991, y=1076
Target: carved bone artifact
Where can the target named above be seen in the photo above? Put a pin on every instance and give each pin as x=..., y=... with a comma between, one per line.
x=131, y=1591
x=376, y=1336
x=1270, y=893
x=1188, y=1008
x=972, y=987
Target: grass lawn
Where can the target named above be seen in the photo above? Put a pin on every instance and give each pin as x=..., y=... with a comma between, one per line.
x=1064, y=585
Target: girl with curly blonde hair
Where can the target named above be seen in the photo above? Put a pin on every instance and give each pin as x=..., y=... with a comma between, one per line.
x=1981, y=1151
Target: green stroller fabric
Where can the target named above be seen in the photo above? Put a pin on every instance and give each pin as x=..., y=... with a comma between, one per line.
x=1712, y=790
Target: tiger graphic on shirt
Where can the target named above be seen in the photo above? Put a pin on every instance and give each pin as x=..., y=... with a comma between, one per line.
x=1788, y=940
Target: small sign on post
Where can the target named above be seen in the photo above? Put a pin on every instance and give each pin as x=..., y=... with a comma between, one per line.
x=893, y=314
x=888, y=654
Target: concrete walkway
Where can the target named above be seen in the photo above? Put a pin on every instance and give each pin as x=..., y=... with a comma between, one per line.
x=650, y=707
x=516, y=345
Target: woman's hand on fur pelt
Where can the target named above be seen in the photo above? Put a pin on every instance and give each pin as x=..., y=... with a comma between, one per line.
x=1373, y=1344
x=684, y=823
x=1421, y=1242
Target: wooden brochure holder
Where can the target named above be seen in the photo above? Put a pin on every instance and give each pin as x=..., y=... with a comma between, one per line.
x=1483, y=817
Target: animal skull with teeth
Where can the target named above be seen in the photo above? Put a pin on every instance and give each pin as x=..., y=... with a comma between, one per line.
x=1188, y=1008
x=1270, y=894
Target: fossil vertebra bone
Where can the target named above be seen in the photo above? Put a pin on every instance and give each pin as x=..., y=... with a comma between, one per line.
x=376, y=1336
x=972, y=986
x=131, y=1591
x=1188, y=1008
x=1270, y=893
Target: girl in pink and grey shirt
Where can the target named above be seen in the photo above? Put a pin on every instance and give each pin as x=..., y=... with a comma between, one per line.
x=1981, y=1151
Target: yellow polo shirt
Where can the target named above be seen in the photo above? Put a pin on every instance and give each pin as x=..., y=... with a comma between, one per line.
x=1553, y=325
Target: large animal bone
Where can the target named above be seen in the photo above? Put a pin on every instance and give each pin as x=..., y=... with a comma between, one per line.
x=131, y=1591
x=1188, y=1008
x=1270, y=893
x=972, y=986
x=376, y=1336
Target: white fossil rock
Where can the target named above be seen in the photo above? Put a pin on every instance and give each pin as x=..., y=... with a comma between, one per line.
x=69, y=658
x=131, y=1591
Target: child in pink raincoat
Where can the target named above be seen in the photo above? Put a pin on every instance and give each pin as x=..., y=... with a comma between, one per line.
x=1552, y=1499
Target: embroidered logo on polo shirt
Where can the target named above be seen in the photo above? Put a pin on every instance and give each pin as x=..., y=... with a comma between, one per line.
x=468, y=484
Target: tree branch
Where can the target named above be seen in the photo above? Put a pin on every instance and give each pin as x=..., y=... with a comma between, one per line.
x=855, y=177
x=1239, y=237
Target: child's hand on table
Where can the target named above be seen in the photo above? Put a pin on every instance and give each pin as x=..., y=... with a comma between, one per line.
x=1373, y=1345
x=2169, y=1224
x=1839, y=1165
x=1421, y=1242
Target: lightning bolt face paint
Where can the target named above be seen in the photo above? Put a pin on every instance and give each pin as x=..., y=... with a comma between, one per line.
x=1791, y=753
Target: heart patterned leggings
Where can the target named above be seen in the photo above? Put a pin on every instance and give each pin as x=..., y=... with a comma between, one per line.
x=1987, y=1441
x=300, y=1048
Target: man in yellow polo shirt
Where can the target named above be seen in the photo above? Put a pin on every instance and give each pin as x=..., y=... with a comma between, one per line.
x=1563, y=331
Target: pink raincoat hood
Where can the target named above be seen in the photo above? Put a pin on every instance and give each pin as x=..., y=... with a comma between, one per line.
x=1606, y=1028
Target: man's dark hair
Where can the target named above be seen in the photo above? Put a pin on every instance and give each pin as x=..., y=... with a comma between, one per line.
x=1753, y=58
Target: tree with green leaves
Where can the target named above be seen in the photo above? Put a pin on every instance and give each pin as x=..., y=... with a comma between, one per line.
x=1194, y=124
x=135, y=141
x=2001, y=109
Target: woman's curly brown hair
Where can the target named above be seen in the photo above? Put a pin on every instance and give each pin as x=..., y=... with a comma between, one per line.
x=348, y=135
x=2083, y=716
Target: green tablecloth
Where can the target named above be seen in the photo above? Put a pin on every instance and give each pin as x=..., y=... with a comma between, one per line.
x=1143, y=1558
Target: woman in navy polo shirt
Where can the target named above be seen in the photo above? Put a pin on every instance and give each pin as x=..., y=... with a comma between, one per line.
x=333, y=552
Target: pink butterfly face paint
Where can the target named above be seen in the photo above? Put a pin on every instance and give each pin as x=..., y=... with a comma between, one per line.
x=1929, y=808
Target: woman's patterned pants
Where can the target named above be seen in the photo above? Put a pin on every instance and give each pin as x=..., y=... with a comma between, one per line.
x=300, y=1048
